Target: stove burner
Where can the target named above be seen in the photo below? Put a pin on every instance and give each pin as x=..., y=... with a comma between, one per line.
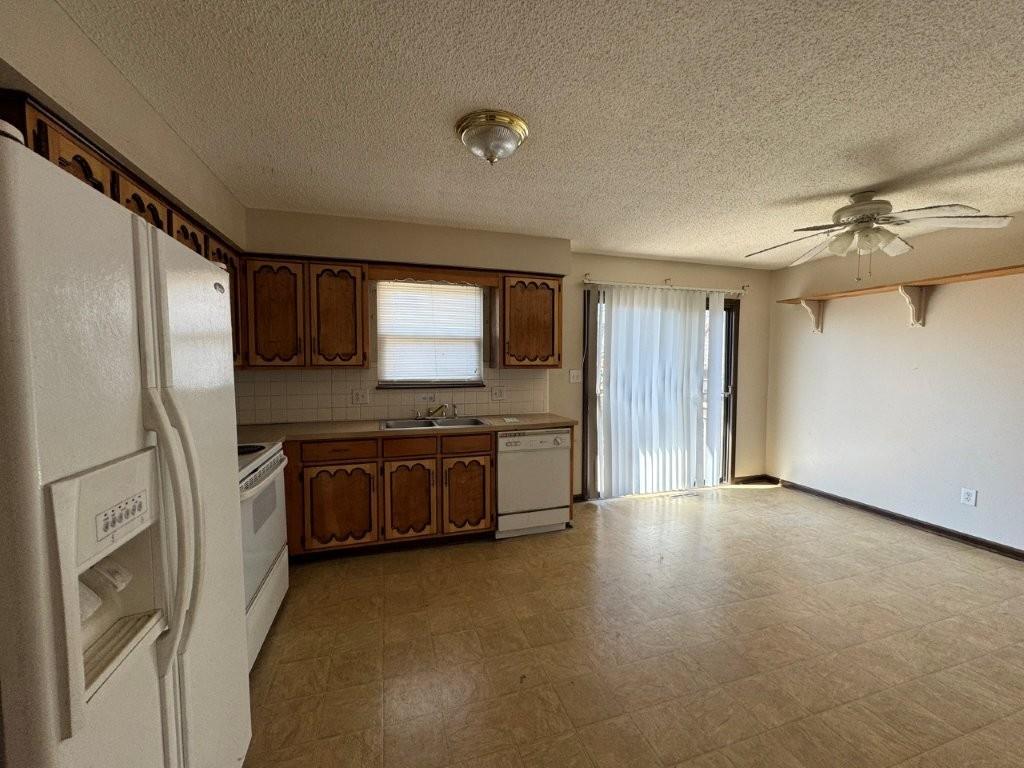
x=245, y=450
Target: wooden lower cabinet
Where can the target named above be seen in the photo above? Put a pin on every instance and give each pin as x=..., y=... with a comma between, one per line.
x=468, y=493
x=341, y=505
x=356, y=492
x=410, y=498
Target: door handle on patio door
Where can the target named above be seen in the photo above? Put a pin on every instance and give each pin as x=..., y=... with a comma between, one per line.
x=188, y=443
x=161, y=424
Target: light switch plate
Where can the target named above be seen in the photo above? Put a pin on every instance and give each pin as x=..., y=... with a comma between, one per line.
x=969, y=497
x=497, y=393
x=575, y=376
x=360, y=397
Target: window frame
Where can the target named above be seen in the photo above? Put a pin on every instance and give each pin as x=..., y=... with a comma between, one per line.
x=434, y=383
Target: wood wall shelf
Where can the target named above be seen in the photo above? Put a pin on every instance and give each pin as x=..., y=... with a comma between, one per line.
x=915, y=292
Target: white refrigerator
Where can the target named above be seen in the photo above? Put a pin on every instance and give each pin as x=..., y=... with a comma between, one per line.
x=122, y=623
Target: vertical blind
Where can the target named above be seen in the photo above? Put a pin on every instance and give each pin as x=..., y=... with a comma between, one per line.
x=429, y=332
x=660, y=378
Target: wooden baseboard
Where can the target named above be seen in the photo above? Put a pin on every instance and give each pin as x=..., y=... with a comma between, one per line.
x=949, y=533
x=755, y=480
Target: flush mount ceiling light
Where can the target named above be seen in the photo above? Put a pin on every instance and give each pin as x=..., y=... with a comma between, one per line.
x=492, y=134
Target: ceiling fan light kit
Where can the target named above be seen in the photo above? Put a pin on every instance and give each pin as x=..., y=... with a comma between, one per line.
x=492, y=134
x=867, y=225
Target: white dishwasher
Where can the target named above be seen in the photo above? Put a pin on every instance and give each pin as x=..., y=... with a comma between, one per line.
x=533, y=481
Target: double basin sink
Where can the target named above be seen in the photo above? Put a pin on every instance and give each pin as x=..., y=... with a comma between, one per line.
x=466, y=421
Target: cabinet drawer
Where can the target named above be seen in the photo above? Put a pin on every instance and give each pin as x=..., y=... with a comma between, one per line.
x=339, y=450
x=410, y=446
x=466, y=444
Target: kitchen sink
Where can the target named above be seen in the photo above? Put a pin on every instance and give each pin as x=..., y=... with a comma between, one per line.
x=465, y=421
x=408, y=424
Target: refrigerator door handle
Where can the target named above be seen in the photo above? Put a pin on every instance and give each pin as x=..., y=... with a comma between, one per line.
x=181, y=425
x=161, y=424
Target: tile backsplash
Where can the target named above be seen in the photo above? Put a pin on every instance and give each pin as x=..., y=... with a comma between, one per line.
x=265, y=396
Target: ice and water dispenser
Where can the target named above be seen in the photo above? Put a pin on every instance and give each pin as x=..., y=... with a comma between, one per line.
x=110, y=550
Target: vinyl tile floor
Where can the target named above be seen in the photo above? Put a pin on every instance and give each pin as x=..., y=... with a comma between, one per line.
x=746, y=626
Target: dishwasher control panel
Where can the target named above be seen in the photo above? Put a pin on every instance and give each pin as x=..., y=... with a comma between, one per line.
x=536, y=440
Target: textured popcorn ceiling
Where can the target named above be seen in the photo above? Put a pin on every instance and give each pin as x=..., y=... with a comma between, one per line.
x=698, y=130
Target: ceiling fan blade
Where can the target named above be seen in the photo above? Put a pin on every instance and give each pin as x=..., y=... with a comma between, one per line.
x=815, y=252
x=954, y=209
x=896, y=247
x=962, y=222
x=788, y=242
x=820, y=227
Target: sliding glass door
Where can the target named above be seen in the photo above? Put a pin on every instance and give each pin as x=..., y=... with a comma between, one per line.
x=658, y=363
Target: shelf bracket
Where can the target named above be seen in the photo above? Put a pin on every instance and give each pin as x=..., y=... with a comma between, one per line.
x=916, y=297
x=816, y=309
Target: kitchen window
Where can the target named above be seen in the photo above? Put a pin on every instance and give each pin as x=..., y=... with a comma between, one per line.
x=429, y=334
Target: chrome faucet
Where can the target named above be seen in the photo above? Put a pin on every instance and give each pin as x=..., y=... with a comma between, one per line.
x=442, y=409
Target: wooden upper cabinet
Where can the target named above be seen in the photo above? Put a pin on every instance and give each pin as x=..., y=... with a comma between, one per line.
x=60, y=148
x=467, y=495
x=217, y=252
x=186, y=232
x=531, y=321
x=337, y=314
x=410, y=498
x=148, y=206
x=275, y=312
x=341, y=505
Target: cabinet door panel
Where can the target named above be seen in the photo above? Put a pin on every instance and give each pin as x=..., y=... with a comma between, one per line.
x=71, y=155
x=137, y=200
x=337, y=307
x=217, y=252
x=341, y=505
x=468, y=492
x=274, y=295
x=188, y=233
x=410, y=498
x=532, y=321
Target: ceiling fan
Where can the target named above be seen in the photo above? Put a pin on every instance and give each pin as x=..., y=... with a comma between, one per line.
x=867, y=225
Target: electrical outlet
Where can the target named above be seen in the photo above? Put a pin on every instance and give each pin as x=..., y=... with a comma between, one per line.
x=497, y=393
x=969, y=497
x=360, y=397
x=575, y=377
x=426, y=398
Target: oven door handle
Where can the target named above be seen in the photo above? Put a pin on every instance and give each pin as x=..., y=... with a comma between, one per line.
x=270, y=478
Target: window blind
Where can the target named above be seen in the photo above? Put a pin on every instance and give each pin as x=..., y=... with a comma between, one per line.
x=429, y=332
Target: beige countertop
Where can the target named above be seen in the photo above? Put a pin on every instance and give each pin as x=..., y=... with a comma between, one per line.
x=326, y=430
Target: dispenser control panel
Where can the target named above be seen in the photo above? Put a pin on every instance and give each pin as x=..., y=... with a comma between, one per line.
x=101, y=509
x=113, y=522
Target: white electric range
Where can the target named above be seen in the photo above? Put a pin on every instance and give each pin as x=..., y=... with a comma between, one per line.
x=264, y=537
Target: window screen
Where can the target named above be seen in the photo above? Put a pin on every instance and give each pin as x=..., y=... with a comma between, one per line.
x=429, y=332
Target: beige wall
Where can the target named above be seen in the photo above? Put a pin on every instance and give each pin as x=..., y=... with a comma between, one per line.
x=349, y=238
x=566, y=398
x=899, y=417
x=42, y=44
